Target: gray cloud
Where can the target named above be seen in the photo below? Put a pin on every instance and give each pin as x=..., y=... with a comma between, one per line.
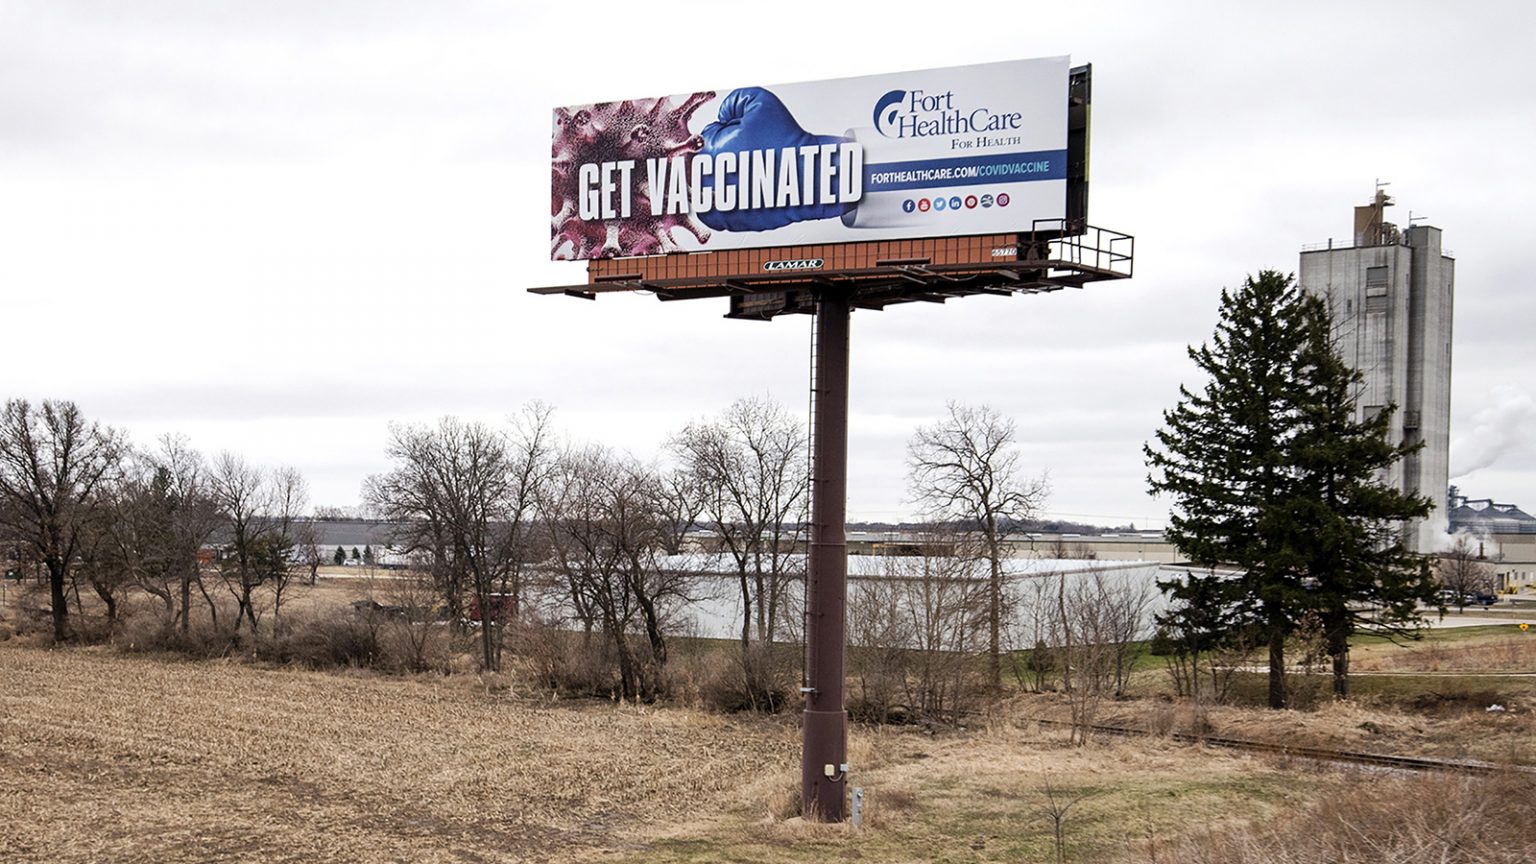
x=277, y=226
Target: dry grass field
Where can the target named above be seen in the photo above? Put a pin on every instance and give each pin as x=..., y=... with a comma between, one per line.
x=117, y=757
x=1482, y=650
x=113, y=757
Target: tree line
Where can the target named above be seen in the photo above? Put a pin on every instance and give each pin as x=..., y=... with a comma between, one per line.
x=81, y=500
x=493, y=520
x=1275, y=485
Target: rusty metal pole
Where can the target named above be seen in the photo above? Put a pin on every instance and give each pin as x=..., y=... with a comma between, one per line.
x=823, y=772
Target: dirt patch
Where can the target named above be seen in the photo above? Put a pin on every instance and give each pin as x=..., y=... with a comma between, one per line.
x=1460, y=702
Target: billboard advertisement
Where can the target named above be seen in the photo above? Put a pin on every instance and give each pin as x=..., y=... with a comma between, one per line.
x=935, y=153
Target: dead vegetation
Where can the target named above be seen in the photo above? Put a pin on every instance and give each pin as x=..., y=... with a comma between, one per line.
x=986, y=795
x=1515, y=653
x=179, y=761
x=1403, y=820
x=165, y=760
x=1451, y=725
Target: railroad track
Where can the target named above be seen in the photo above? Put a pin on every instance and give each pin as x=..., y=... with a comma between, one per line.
x=1349, y=757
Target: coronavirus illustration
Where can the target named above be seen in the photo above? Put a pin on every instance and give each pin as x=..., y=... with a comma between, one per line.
x=638, y=129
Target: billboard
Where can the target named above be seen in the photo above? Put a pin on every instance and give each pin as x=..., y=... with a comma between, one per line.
x=935, y=153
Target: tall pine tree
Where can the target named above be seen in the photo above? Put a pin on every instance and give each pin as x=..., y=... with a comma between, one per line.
x=1273, y=477
x=1222, y=455
x=1346, y=520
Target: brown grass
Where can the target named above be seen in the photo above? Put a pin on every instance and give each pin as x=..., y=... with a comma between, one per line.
x=107, y=757
x=1404, y=820
x=1457, y=726
x=1516, y=653
x=128, y=758
x=977, y=796
x=113, y=758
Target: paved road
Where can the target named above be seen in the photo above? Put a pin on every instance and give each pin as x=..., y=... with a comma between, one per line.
x=1511, y=618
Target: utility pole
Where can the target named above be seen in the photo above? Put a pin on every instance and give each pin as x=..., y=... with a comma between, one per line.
x=824, y=765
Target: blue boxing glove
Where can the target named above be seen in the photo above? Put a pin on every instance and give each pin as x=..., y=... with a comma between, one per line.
x=753, y=119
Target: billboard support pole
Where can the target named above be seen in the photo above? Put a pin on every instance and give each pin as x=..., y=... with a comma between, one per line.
x=823, y=770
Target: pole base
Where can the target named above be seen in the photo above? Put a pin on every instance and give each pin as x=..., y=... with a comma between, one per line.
x=826, y=743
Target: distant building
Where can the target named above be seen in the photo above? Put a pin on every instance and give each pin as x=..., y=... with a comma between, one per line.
x=1504, y=535
x=1391, y=293
x=1123, y=546
x=1483, y=516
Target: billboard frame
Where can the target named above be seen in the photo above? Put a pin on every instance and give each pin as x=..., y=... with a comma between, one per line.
x=1051, y=255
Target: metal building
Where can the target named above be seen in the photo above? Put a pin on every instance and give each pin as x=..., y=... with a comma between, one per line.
x=1392, y=293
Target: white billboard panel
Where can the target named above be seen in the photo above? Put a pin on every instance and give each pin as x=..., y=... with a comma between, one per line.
x=934, y=153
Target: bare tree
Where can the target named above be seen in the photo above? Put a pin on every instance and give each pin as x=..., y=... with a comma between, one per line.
x=473, y=472
x=609, y=539
x=920, y=628
x=964, y=470
x=1464, y=571
x=662, y=577
x=881, y=637
x=289, y=495
x=1035, y=627
x=1086, y=628
x=258, y=513
x=306, y=548
x=679, y=499
x=532, y=445
x=1125, y=602
x=1086, y=652
x=467, y=493
x=238, y=489
x=750, y=466
x=160, y=516
x=411, y=495
x=132, y=539
x=96, y=563
x=1056, y=805
x=411, y=599
x=184, y=484
x=53, y=463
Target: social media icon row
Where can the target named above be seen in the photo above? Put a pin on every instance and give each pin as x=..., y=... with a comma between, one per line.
x=955, y=202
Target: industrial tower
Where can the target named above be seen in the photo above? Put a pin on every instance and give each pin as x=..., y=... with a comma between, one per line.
x=1391, y=293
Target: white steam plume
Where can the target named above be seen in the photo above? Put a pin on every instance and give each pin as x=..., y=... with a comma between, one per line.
x=1505, y=424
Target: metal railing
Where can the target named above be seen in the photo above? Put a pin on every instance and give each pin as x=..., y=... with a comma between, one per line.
x=1088, y=247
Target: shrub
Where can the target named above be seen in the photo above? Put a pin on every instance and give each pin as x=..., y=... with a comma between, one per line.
x=150, y=634
x=756, y=680
x=416, y=646
x=570, y=664
x=341, y=640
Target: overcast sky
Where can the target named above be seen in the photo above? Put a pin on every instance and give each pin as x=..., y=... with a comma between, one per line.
x=275, y=227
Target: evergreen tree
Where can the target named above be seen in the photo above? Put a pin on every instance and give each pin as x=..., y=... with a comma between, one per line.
x=1222, y=456
x=340, y=557
x=1347, y=521
x=368, y=555
x=1273, y=477
x=356, y=556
